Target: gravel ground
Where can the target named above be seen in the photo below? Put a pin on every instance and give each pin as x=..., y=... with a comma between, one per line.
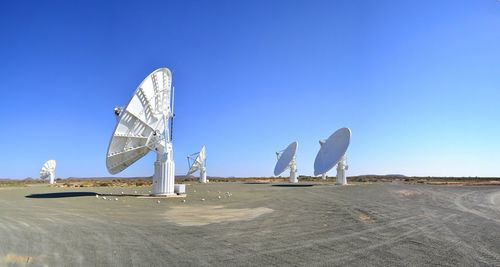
x=252, y=225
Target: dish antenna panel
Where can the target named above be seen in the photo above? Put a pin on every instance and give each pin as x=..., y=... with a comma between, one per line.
x=48, y=171
x=198, y=162
x=331, y=153
x=286, y=160
x=146, y=125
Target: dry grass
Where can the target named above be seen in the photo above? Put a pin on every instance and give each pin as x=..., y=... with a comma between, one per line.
x=146, y=182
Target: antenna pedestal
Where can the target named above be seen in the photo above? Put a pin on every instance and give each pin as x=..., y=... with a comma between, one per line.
x=323, y=176
x=341, y=167
x=52, y=178
x=293, y=174
x=203, y=175
x=164, y=176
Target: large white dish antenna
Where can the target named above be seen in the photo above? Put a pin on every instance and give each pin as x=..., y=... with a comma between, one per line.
x=332, y=151
x=197, y=162
x=286, y=159
x=48, y=171
x=146, y=125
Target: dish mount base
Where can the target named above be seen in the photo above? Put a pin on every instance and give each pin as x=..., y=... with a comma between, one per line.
x=203, y=175
x=164, y=176
x=293, y=174
x=341, y=168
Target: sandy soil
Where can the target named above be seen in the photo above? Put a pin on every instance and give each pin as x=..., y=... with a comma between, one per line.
x=383, y=224
x=197, y=216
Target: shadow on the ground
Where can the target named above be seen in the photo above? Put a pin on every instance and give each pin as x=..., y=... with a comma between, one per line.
x=293, y=185
x=77, y=194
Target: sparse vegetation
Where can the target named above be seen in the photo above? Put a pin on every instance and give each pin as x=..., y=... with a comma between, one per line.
x=147, y=181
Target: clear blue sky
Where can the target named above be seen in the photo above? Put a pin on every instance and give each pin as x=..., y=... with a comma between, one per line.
x=418, y=82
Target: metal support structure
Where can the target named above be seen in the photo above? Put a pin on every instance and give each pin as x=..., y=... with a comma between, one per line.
x=164, y=176
x=146, y=124
x=286, y=159
x=203, y=175
x=341, y=168
x=197, y=162
x=293, y=173
x=52, y=178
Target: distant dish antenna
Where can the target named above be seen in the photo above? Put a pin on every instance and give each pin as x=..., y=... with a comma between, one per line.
x=144, y=125
x=198, y=162
x=331, y=153
x=48, y=171
x=286, y=160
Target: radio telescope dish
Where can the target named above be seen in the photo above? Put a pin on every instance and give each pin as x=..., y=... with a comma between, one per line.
x=332, y=152
x=145, y=125
x=48, y=171
x=198, y=162
x=286, y=160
